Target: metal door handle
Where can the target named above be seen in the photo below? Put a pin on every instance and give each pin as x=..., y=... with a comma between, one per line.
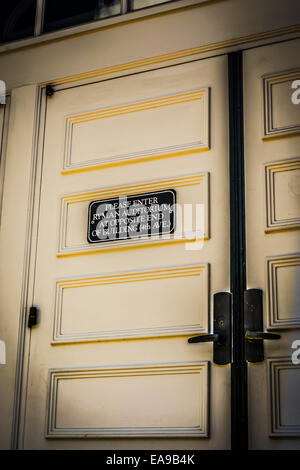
x=215, y=338
x=253, y=323
x=249, y=334
x=221, y=337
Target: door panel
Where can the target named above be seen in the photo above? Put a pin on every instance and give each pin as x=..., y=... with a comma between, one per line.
x=113, y=401
x=110, y=357
x=272, y=143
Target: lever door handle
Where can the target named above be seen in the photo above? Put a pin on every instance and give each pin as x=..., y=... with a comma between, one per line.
x=215, y=338
x=253, y=324
x=249, y=334
x=221, y=337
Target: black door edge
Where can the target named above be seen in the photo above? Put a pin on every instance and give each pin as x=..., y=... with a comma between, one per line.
x=239, y=402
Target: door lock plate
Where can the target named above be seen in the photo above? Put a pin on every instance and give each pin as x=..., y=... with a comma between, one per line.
x=221, y=336
x=253, y=322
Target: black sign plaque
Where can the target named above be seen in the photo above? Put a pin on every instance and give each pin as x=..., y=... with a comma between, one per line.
x=134, y=216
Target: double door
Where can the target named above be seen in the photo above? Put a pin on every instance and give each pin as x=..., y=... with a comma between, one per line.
x=110, y=365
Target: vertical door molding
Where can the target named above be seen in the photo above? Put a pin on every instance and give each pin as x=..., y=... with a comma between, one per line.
x=4, y=116
x=23, y=172
x=239, y=422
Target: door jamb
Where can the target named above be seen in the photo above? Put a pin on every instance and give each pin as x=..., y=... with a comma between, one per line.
x=31, y=233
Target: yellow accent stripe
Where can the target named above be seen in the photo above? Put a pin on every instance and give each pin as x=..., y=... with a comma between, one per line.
x=278, y=134
x=63, y=254
x=121, y=280
x=129, y=161
x=148, y=272
x=170, y=337
x=132, y=189
x=135, y=107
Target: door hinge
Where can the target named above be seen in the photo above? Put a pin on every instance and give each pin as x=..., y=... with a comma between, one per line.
x=33, y=317
x=49, y=90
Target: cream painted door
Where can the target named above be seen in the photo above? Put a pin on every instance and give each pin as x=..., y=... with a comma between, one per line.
x=109, y=361
x=272, y=168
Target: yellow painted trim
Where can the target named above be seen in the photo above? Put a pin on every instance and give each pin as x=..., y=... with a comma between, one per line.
x=179, y=153
x=281, y=134
x=120, y=278
x=127, y=247
x=137, y=106
x=292, y=227
x=137, y=64
x=135, y=188
x=118, y=340
x=124, y=281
